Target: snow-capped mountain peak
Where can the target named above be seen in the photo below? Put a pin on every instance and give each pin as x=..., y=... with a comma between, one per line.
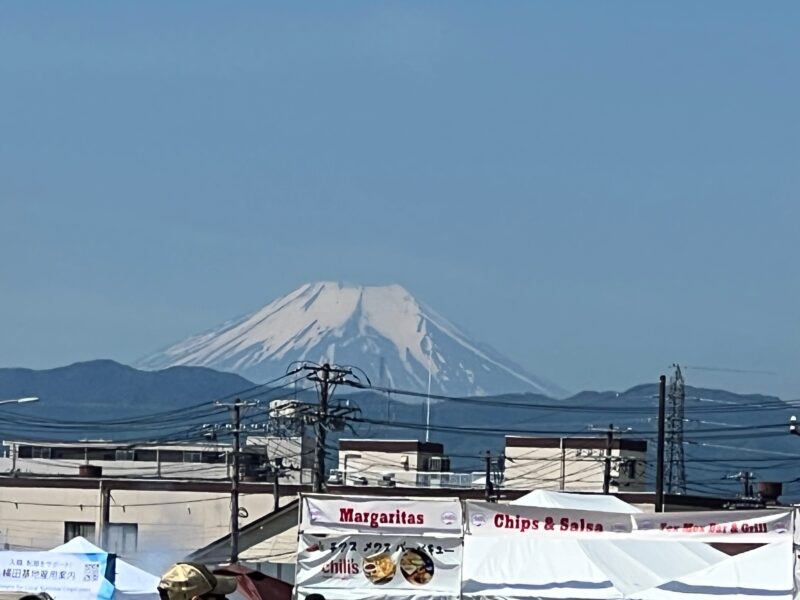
x=383, y=330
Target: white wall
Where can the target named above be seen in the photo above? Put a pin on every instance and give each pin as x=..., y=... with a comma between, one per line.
x=170, y=524
x=372, y=465
x=114, y=468
x=541, y=468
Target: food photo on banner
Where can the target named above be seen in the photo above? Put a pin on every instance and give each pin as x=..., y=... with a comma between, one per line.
x=63, y=576
x=376, y=565
x=378, y=547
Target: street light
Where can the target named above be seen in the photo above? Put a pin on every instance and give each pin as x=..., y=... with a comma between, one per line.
x=20, y=400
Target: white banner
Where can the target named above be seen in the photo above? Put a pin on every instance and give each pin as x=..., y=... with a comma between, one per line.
x=349, y=514
x=489, y=519
x=63, y=576
x=362, y=566
x=755, y=526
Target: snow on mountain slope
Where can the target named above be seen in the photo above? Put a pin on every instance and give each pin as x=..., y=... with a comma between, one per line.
x=383, y=330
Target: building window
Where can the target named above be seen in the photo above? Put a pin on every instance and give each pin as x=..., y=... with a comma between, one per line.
x=124, y=455
x=146, y=455
x=123, y=538
x=170, y=455
x=33, y=452
x=73, y=529
x=214, y=458
x=67, y=453
x=40, y=452
x=101, y=454
x=192, y=457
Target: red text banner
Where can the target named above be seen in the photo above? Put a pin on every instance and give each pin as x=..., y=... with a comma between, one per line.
x=349, y=514
x=757, y=526
x=488, y=519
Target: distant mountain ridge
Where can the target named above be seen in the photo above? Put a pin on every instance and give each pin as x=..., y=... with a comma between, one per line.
x=101, y=389
x=383, y=330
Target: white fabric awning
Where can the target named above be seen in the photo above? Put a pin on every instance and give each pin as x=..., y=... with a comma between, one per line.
x=754, y=575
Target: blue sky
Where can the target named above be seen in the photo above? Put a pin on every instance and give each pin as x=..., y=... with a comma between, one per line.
x=595, y=189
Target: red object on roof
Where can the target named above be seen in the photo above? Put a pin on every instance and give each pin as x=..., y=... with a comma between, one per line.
x=255, y=585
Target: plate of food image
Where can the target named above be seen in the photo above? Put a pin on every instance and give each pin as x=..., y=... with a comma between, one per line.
x=379, y=568
x=416, y=566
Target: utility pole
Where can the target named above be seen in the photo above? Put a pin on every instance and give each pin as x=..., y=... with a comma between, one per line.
x=489, y=486
x=607, y=459
x=278, y=470
x=662, y=400
x=327, y=377
x=319, y=460
x=236, y=424
x=607, y=465
x=104, y=515
x=276, y=489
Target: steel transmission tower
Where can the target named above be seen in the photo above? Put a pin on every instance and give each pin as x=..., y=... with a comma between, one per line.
x=676, y=468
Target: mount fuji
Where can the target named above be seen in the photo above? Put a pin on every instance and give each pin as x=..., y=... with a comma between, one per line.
x=384, y=330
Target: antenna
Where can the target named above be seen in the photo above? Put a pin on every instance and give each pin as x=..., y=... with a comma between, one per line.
x=427, y=343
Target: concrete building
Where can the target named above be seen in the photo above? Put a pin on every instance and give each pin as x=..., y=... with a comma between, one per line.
x=573, y=464
x=208, y=460
x=151, y=522
x=397, y=463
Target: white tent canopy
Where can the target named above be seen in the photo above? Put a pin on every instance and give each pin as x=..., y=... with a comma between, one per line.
x=759, y=573
x=516, y=567
x=532, y=568
x=547, y=499
x=129, y=579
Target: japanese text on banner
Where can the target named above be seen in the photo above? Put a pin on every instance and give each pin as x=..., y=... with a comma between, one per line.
x=380, y=564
